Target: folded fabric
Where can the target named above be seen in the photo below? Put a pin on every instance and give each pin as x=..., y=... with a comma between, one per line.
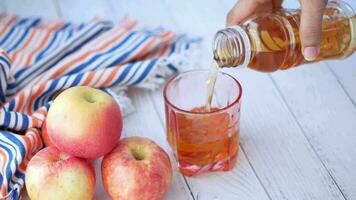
x=40, y=59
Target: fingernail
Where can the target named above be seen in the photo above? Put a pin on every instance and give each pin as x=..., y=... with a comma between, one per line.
x=310, y=53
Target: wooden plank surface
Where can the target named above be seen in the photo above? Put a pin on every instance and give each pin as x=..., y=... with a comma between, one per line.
x=37, y=8
x=327, y=118
x=345, y=73
x=84, y=11
x=277, y=148
x=3, y=7
x=297, y=127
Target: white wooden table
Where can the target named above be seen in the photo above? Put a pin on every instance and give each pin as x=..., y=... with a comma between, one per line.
x=298, y=127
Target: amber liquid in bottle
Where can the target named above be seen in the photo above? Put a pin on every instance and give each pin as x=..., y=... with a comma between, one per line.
x=271, y=41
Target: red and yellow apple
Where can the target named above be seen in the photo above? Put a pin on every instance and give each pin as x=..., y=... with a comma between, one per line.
x=46, y=140
x=52, y=174
x=84, y=122
x=136, y=169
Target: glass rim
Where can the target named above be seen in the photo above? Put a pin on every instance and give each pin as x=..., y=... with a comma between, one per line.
x=170, y=80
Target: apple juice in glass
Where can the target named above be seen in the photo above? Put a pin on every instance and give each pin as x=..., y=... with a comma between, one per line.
x=203, y=138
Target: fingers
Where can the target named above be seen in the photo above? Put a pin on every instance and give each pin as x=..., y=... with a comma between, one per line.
x=245, y=8
x=241, y=10
x=310, y=27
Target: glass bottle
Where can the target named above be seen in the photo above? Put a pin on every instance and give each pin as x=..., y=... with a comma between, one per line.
x=270, y=41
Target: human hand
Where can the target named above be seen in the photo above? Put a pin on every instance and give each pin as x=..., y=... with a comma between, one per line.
x=310, y=25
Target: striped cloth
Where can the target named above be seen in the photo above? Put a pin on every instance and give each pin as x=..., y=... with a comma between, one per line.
x=39, y=59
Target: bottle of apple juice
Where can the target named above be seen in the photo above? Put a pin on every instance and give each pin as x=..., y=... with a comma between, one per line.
x=271, y=41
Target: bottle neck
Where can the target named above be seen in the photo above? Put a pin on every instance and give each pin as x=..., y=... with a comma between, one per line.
x=232, y=47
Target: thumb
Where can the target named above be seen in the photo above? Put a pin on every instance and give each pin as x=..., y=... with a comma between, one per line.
x=310, y=27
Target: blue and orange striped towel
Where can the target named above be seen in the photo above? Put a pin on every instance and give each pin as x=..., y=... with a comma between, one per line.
x=39, y=59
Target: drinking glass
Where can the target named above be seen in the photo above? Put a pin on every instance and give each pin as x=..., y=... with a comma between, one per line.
x=202, y=140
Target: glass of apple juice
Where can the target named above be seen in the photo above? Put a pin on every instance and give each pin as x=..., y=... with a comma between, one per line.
x=203, y=138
